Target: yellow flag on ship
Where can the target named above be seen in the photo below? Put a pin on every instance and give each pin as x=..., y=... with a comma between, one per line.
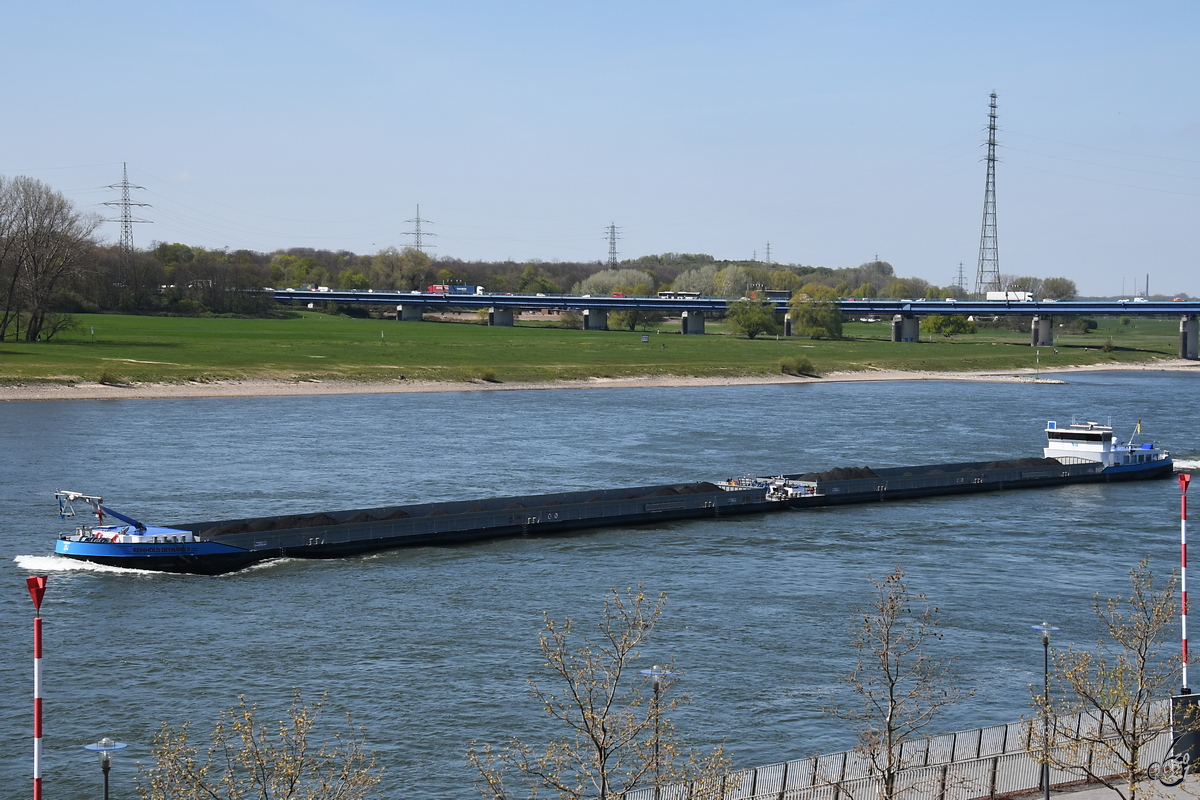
x=1139, y=426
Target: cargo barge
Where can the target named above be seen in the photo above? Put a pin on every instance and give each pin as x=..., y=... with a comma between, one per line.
x=1084, y=453
x=1076, y=453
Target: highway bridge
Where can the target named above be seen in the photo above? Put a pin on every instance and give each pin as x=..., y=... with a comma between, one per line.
x=905, y=314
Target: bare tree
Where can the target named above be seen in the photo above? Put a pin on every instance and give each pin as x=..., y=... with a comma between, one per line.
x=900, y=687
x=45, y=241
x=249, y=759
x=10, y=274
x=1103, y=700
x=618, y=736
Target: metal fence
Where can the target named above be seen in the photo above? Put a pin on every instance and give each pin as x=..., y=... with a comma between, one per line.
x=969, y=765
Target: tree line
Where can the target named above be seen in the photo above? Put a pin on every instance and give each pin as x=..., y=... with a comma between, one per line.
x=52, y=264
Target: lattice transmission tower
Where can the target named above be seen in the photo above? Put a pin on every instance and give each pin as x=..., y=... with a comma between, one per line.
x=418, y=234
x=961, y=280
x=988, y=277
x=612, y=231
x=126, y=219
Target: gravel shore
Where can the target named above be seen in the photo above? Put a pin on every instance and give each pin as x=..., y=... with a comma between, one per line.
x=284, y=388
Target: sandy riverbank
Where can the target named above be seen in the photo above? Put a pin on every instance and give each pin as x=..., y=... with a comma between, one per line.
x=283, y=388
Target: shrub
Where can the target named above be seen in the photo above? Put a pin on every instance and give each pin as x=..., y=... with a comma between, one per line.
x=947, y=325
x=1109, y=346
x=186, y=307
x=801, y=366
x=1083, y=324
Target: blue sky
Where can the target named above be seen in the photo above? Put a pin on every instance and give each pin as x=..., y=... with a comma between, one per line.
x=837, y=131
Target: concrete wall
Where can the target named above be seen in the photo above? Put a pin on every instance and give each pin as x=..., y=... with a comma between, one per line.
x=906, y=328
x=502, y=317
x=595, y=319
x=1041, y=332
x=1188, y=340
x=692, y=322
x=409, y=313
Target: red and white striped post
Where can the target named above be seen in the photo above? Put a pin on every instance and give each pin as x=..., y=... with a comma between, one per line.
x=37, y=588
x=1184, y=479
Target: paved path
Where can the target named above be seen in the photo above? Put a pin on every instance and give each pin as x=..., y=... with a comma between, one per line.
x=1188, y=790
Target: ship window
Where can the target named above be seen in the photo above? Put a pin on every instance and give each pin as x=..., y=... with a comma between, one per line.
x=1077, y=437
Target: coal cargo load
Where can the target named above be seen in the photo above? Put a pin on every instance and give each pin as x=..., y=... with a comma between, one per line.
x=839, y=474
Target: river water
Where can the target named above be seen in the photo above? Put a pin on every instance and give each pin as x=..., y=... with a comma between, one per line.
x=430, y=648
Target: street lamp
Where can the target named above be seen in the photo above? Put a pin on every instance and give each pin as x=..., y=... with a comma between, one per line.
x=1045, y=629
x=657, y=673
x=104, y=750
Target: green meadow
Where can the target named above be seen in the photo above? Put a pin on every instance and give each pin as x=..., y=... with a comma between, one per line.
x=121, y=349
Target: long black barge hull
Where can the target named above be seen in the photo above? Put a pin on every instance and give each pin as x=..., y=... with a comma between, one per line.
x=349, y=533
x=905, y=483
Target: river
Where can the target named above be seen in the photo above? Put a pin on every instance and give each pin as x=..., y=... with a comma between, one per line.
x=431, y=648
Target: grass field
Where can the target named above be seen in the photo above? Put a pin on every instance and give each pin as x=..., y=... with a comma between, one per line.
x=311, y=345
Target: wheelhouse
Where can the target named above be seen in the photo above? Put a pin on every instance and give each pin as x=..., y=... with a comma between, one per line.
x=1090, y=441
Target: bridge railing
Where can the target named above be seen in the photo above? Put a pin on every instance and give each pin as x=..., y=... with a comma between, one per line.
x=880, y=307
x=994, y=762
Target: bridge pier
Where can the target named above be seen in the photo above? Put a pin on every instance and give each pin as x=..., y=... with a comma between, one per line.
x=500, y=317
x=1041, y=332
x=1188, y=330
x=410, y=313
x=906, y=328
x=595, y=319
x=692, y=322
x=787, y=324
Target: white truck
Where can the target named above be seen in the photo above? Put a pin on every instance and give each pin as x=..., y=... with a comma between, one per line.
x=1022, y=297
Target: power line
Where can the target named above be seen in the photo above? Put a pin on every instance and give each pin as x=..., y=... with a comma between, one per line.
x=1106, y=149
x=126, y=219
x=1103, y=166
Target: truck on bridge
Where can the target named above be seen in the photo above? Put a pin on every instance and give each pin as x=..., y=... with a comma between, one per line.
x=454, y=288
